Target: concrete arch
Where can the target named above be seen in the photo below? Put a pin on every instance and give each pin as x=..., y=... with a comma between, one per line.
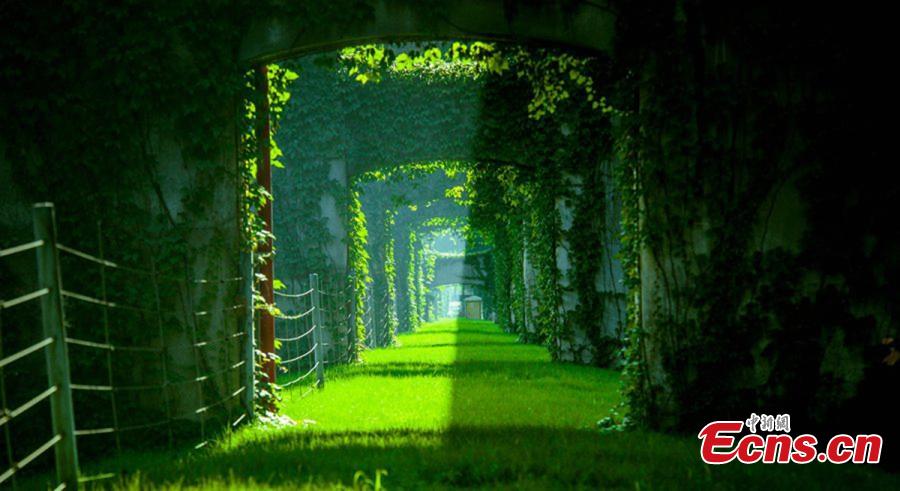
x=337, y=129
x=585, y=25
x=470, y=270
x=334, y=119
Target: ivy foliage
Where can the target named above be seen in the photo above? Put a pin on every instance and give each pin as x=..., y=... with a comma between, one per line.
x=691, y=233
x=742, y=226
x=411, y=199
x=548, y=80
x=358, y=262
x=123, y=114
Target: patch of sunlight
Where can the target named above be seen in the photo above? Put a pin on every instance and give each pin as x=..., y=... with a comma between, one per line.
x=408, y=387
x=366, y=403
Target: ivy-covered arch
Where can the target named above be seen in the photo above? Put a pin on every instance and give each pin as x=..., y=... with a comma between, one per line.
x=335, y=130
x=133, y=116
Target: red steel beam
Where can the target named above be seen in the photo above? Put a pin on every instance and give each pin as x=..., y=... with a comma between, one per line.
x=264, y=178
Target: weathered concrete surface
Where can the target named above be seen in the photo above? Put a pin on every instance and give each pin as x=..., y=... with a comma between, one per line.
x=470, y=270
x=336, y=217
x=584, y=25
x=208, y=231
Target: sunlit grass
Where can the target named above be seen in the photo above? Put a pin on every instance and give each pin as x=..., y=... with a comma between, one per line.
x=461, y=404
x=459, y=374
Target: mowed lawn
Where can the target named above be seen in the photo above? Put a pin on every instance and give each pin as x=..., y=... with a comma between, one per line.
x=458, y=374
x=461, y=404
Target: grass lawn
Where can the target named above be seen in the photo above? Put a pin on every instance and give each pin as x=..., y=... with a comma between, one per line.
x=461, y=404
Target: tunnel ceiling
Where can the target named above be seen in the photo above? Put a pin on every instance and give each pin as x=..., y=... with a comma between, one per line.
x=407, y=119
x=278, y=35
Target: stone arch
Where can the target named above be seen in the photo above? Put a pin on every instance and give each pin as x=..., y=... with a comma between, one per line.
x=585, y=25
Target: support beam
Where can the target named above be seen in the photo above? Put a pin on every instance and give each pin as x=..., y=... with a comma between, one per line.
x=54, y=321
x=264, y=178
x=582, y=25
x=334, y=213
x=248, y=371
x=318, y=329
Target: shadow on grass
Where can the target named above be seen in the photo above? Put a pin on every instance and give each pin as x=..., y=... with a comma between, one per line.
x=512, y=458
x=516, y=421
x=468, y=343
x=413, y=459
x=480, y=330
x=523, y=370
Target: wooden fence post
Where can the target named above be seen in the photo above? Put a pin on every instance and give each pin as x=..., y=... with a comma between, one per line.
x=54, y=326
x=249, y=334
x=264, y=179
x=318, y=321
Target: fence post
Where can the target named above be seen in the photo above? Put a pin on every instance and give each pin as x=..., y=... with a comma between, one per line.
x=249, y=334
x=353, y=354
x=317, y=330
x=54, y=326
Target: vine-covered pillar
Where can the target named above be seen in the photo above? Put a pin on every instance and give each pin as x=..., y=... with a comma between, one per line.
x=529, y=301
x=401, y=278
x=544, y=239
x=411, y=282
x=389, y=301
x=572, y=343
x=333, y=210
x=589, y=269
x=428, y=261
x=421, y=287
x=731, y=313
x=508, y=277
x=382, y=270
x=264, y=177
x=501, y=282
x=358, y=259
x=605, y=273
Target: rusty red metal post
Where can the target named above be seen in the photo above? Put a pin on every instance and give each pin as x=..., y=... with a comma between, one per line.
x=264, y=178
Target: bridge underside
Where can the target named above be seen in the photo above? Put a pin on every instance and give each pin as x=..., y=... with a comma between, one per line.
x=468, y=270
x=587, y=26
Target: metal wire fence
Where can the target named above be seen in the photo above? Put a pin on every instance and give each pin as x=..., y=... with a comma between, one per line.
x=377, y=326
x=297, y=339
x=155, y=370
x=337, y=308
x=220, y=376
x=315, y=329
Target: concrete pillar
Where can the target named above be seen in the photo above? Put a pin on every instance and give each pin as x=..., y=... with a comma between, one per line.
x=575, y=344
x=530, y=310
x=335, y=219
x=610, y=279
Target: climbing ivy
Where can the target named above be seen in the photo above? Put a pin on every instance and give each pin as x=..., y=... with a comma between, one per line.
x=545, y=93
x=390, y=278
x=358, y=261
x=412, y=224
x=428, y=264
x=255, y=236
x=413, y=317
x=132, y=116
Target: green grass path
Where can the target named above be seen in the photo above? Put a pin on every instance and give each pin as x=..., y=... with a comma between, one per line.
x=458, y=374
x=461, y=404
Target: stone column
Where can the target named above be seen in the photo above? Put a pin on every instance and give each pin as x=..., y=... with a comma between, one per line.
x=336, y=220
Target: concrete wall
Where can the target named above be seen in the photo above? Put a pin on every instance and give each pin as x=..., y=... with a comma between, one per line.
x=584, y=25
x=207, y=231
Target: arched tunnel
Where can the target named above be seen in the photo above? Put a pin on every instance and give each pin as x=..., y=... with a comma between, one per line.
x=504, y=231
